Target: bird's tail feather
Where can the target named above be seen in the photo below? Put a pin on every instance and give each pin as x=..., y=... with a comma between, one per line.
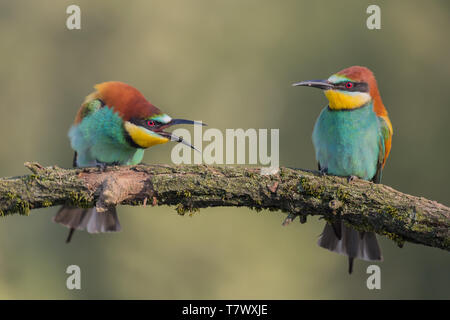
x=349, y=242
x=87, y=219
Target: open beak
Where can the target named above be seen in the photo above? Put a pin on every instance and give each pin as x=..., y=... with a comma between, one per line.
x=173, y=137
x=321, y=84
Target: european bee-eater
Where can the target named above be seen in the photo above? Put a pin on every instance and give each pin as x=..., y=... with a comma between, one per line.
x=352, y=138
x=113, y=127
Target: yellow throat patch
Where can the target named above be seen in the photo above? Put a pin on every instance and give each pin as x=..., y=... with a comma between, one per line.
x=143, y=137
x=339, y=100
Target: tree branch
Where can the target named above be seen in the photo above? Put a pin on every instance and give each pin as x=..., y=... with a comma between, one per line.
x=361, y=204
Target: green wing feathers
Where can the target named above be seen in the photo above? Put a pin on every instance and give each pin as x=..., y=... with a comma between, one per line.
x=384, y=146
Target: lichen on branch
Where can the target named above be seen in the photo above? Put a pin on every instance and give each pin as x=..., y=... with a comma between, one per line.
x=361, y=204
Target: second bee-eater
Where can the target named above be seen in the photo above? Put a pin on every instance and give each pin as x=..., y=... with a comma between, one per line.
x=113, y=127
x=352, y=138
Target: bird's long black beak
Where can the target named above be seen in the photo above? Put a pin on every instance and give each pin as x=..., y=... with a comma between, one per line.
x=175, y=138
x=320, y=84
x=184, y=121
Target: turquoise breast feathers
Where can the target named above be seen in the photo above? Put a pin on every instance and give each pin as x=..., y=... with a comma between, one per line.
x=100, y=137
x=347, y=142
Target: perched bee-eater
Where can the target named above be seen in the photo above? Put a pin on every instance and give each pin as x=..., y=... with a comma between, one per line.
x=352, y=138
x=113, y=127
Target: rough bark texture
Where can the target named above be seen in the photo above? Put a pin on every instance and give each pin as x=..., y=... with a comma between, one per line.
x=363, y=205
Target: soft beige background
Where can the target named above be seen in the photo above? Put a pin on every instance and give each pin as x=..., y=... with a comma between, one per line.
x=230, y=64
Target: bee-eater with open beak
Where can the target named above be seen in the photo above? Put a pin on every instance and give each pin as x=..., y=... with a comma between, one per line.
x=113, y=127
x=352, y=138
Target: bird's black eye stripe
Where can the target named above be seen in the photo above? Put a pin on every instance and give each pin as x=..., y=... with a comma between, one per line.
x=355, y=86
x=146, y=123
x=152, y=124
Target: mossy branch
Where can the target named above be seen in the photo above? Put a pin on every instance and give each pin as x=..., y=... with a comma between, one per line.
x=363, y=205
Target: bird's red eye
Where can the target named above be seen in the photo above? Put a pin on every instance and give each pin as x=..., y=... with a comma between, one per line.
x=349, y=85
x=151, y=123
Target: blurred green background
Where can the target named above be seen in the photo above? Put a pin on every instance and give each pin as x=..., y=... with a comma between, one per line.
x=231, y=64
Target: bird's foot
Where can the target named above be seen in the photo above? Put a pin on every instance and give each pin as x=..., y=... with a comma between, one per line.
x=102, y=166
x=350, y=179
x=323, y=171
x=291, y=217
